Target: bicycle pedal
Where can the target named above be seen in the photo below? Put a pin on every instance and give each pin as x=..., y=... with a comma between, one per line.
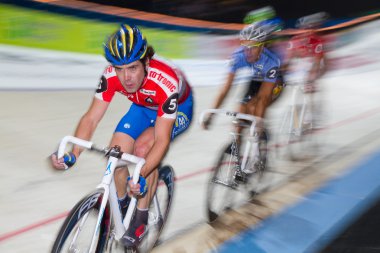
x=260, y=166
x=241, y=177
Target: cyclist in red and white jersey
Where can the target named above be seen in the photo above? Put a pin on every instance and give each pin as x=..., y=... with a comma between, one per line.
x=306, y=62
x=306, y=59
x=162, y=109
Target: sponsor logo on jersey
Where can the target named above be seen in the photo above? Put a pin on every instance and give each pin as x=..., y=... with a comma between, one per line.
x=130, y=96
x=163, y=79
x=102, y=86
x=257, y=74
x=109, y=72
x=148, y=92
x=259, y=66
x=182, y=120
x=149, y=100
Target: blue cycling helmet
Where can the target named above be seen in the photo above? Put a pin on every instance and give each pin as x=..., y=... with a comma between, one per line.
x=261, y=31
x=126, y=45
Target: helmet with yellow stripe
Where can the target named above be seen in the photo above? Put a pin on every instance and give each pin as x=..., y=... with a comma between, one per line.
x=126, y=45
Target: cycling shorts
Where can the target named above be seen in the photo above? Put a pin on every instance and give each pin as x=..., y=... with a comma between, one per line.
x=254, y=87
x=139, y=118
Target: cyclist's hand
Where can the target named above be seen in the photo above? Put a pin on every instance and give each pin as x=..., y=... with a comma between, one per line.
x=207, y=122
x=139, y=189
x=67, y=161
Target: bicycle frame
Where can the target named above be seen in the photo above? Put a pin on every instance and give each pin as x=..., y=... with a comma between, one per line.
x=108, y=185
x=295, y=124
x=252, y=129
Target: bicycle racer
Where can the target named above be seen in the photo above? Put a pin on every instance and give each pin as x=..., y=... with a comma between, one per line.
x=266, y=80
x=162, y=108
x=306, y=60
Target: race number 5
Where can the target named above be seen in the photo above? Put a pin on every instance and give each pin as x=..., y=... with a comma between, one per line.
x=171, y=104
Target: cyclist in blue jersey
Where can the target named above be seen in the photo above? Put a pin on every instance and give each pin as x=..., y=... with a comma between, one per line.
x=266, y=80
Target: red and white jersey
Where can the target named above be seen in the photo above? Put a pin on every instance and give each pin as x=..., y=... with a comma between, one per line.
x=309, y=45
x=163, y=88
x=304, y=51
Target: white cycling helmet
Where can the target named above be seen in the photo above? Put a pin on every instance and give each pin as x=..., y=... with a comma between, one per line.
x=312, y=21
x=260, y=31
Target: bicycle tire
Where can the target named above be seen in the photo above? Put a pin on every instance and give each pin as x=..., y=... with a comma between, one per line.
x=222, y=185
x=82, y=210
x=156, y=222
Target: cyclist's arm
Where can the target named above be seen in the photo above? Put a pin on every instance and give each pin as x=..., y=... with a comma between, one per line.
x=224, y=91
x=89, y=121
x=162, y=137
x=316, y=70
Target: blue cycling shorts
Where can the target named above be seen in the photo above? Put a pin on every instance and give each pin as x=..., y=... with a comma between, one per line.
x=139, y=118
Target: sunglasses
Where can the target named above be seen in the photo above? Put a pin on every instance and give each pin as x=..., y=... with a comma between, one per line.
x=250, y=44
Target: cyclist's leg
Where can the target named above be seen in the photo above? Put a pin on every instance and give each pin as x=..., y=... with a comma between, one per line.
x=126, y=143
x=145, y=142
x=264, y=98
x=247, y=104
x=133, y=123
x=143, y=145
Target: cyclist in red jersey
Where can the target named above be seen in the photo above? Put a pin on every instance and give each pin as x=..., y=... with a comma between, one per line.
x=161, y=110
x=306, y=60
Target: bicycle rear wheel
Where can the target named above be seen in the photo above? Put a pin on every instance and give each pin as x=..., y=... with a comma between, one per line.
x=223, y=192
x=159, y=208
x=77, y=230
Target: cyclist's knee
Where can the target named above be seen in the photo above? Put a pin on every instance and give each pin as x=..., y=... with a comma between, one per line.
x=121, y=173
x=264, y=100
x=141, y=150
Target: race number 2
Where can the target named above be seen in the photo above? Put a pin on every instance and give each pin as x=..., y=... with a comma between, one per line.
x=272, y=73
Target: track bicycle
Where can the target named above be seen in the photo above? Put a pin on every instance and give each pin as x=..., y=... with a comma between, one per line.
x=230, y=185
x=95, y=224
x=296, y=137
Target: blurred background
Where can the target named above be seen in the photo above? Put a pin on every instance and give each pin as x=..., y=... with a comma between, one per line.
x=51, y=60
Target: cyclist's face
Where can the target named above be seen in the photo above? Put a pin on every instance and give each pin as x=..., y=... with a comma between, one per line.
x=131, y=75
x=252, y=53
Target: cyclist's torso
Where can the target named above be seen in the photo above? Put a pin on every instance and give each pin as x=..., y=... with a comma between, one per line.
x=265, y=69
x=163, y=88
x=306, y=46
x=305, y=51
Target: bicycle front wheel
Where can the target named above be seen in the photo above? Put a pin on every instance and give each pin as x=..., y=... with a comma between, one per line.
x=159, y=208
x=79, y=227
x=223, y=191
